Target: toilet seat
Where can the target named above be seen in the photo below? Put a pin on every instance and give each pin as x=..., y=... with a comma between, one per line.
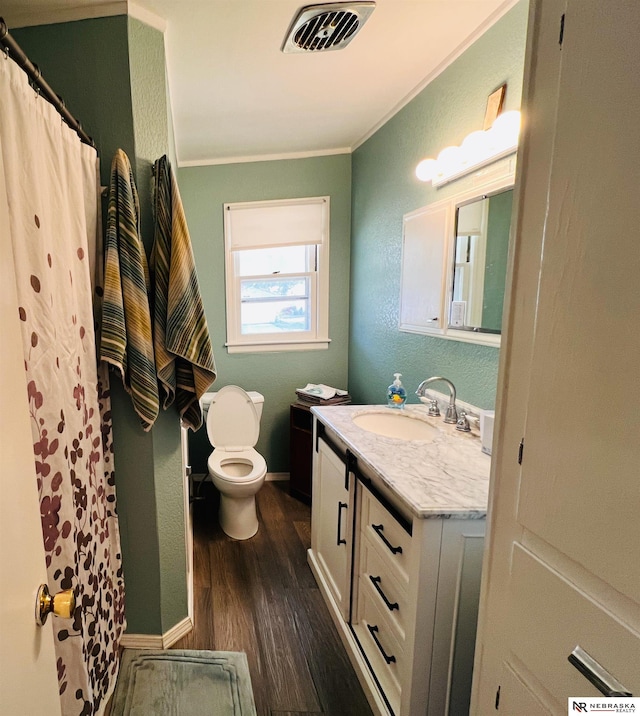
x=249, y=457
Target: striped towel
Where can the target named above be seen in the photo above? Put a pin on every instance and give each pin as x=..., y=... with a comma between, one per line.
x=184, y=357
x=126, y=340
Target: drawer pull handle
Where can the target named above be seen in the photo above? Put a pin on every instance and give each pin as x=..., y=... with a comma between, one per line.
x=341, y=506
x=373, y=630
x=380, y=529
x=376, y=583
x=596, y=674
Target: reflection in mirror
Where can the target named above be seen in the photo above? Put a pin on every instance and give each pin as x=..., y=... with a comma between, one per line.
x=480, y=263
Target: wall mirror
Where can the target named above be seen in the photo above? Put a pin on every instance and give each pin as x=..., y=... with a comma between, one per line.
x=480, y=263
x=454, y=262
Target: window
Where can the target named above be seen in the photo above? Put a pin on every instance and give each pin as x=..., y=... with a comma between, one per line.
x=277, y=282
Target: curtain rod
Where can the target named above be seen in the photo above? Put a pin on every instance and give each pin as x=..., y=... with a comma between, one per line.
x=15, y=52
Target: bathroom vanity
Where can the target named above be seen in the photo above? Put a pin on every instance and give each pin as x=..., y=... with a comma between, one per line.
x=397, y=534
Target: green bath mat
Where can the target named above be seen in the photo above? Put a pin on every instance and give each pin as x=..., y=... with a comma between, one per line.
x=183, y=683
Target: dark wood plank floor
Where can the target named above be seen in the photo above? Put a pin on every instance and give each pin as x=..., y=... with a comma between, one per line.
x=259, y=596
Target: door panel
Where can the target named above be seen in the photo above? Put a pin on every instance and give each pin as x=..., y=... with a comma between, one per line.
x=540, y=89
x=562, y=569
x=28, y=678
x=550, y=617
x=517, y=698
x=579, y=490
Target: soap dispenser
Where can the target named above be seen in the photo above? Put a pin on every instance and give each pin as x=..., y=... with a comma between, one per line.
x=396, y=394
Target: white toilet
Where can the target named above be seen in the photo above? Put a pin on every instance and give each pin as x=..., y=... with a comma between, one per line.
x=236, y=469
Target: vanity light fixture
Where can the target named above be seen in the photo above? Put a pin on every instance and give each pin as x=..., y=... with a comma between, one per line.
x=477, y=150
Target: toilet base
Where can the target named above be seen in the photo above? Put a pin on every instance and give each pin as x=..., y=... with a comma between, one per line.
x=237, y=516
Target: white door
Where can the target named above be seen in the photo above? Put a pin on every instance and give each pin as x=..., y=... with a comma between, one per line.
x=28, y=679
x=563, y=566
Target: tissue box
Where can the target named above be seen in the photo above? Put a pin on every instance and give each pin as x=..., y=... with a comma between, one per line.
x=486, y=429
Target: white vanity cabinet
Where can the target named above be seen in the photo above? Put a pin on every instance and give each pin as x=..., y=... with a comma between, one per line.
x=332, y=527
x=403, y=591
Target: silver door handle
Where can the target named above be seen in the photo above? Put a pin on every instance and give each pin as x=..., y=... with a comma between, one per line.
x=597, y=674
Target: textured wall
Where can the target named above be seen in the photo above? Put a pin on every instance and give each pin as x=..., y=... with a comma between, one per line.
x=276, y=375
x=149, y=105
x=151, y=127
x=385, y=188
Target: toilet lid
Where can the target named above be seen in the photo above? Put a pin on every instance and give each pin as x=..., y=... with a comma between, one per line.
x=232, y=420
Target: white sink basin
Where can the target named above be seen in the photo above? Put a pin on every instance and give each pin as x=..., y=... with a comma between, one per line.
x=398, y=425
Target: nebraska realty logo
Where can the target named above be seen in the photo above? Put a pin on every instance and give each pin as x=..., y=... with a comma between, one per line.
x=616, y=705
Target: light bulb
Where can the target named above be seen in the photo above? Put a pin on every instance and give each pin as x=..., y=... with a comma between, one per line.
x=426, y=170
x=475, y=147
x=449, y=160
x=505, y=130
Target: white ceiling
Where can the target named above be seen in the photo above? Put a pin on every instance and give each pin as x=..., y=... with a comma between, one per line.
x=237, y=97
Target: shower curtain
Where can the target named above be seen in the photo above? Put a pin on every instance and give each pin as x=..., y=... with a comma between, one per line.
x=53, y=196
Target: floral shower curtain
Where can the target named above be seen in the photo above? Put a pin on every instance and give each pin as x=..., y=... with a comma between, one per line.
x=53, y=194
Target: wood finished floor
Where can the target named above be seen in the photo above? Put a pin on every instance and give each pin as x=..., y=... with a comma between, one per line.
x=259, y=596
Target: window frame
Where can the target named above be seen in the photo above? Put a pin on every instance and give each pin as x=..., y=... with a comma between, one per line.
x=317, y=338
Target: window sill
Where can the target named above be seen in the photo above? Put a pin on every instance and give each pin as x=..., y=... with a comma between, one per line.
x=315, y=344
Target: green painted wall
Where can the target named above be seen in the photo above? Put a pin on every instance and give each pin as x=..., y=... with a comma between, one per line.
x=385, y=188
x=152, y=140
x=276, y=375
x=150, y=118
x=111, y=73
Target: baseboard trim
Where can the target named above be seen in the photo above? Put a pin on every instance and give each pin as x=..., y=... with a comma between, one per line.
x=277, y=477
x=157, y=641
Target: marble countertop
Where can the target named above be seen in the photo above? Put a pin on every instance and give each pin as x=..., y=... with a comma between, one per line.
x=447, y=477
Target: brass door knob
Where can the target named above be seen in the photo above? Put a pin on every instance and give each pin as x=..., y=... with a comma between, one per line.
x=62, y=604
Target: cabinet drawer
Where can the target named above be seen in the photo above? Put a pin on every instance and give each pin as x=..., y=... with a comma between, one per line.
x=543, y=596
x=380, y=645
x=386, y=588
x=384, y=531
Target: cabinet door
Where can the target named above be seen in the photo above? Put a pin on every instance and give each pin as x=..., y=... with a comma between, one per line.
x=424, y=252
x=331, y=523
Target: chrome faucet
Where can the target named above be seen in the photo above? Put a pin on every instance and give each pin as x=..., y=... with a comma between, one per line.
x=451, y=414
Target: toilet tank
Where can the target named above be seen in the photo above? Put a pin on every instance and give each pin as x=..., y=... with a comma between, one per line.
x=256, y=398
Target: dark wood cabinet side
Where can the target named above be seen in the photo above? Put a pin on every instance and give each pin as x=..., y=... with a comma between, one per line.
x=300, y=452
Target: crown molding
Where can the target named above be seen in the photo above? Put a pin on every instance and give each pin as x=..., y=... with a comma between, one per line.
x=263, y=157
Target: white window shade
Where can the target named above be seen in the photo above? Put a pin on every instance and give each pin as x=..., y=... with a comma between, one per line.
x=258, y=225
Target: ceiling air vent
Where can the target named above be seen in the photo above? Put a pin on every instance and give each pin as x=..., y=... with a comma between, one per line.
x=330, y=26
